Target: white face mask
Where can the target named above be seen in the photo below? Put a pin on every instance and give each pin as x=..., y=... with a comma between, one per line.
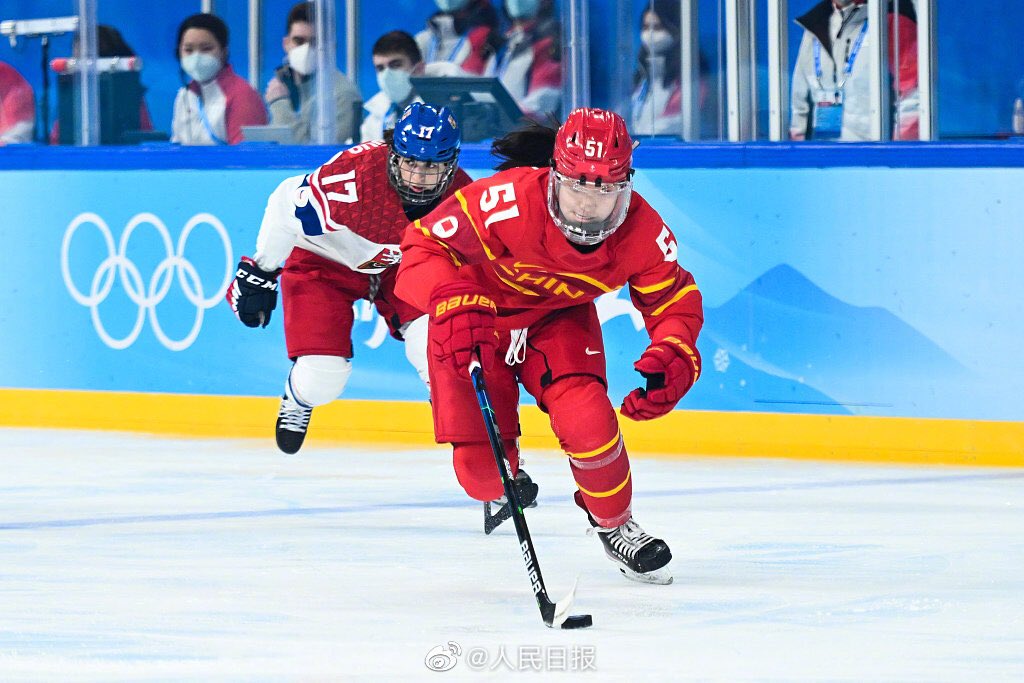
x=201, y=66
x=657, y=41
x=522, y=9
x=451, y=5
x=302, y=59
x=395, y=84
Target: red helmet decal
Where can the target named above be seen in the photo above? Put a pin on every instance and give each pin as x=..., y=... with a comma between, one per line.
x=594, y=144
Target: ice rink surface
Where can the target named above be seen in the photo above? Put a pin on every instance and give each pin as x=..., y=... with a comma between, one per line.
x=134, y=558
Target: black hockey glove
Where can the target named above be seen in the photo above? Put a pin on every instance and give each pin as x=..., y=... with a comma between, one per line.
x=253, y=294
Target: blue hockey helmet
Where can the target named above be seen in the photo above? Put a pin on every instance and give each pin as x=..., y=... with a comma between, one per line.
x=424, y=153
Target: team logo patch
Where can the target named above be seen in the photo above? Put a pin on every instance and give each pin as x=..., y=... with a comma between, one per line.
x=386, y=258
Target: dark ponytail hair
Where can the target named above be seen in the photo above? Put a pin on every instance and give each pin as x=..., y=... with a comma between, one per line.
x=531, y=145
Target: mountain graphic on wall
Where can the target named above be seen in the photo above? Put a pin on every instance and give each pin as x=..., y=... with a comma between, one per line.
x=787, y=345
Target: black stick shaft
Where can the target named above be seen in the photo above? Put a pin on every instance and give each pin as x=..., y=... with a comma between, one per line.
x=518, y=518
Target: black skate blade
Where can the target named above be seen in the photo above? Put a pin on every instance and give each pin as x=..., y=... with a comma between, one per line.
x=492, y=522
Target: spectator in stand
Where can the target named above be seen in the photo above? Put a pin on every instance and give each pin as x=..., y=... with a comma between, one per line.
x=831, y=81
x=658, y=87
x=290, y=93
x=463, y=33
x=17, y=107
x=396, y=58
x=212, y=108
x=109, y=43
x=529, y=63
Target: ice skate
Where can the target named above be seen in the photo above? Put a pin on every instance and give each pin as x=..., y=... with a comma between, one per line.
x=638, y=555
x=527, y=491
x=292, y=422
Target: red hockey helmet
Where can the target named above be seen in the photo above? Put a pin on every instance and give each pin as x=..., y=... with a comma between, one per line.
x=591, y=183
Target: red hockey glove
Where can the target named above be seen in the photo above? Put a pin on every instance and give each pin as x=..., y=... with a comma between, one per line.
x=461, y=322
x=253, y=293
x=670, y=367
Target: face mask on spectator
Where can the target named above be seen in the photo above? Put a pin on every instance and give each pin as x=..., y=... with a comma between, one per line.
x=395, y=84
x=451, y=5
x=522, y=9
x=302, y=59
x=200, y=66
x=657, y=41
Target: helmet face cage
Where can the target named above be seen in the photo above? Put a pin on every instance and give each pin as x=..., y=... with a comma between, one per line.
x=587, y=213
x=424, y=153
x=434, y=177
x=589, y=186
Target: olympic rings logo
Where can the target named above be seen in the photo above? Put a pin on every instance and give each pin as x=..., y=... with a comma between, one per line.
x=147, y=296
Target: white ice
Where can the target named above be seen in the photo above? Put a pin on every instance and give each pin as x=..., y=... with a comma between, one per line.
x=135, y=558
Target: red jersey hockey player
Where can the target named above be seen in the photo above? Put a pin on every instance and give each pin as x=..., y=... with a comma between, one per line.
x=336, y=233
x=509, y=268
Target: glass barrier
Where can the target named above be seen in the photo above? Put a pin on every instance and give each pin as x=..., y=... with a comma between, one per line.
x=37, y=73
x=685, y=70
x=837, y=86
x=659, y=64
x=389, y=55
x=979, y=73
x=301, y=47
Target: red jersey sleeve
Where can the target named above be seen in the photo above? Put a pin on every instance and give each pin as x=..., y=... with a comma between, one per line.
x=434, y=248
x=662, y=290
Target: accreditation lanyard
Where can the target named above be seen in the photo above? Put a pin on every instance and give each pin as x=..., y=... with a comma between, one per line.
x=641, y=95
x=206, y=122
x=391, y=116
x=854, y=51
x=435, y=43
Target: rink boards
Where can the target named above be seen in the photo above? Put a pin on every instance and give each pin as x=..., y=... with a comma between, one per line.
x=868, y=309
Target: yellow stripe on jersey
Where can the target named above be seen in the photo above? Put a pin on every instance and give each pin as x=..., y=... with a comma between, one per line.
x=607, y=494
x=596, y=451
x=655, y=288
x=465, y=210
x=600, y=285
x=518, y=288
x=431, y=236
x=679, y=295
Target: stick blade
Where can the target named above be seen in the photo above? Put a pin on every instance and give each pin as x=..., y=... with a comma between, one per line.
x=561, y=618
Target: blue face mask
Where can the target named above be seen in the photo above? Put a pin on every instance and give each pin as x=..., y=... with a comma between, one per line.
x=201, y=66
x=451, y=5
x=395, y=84
x=522, y=9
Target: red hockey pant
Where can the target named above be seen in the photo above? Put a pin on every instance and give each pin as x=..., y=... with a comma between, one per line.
x=317, y=295
x=564, y=369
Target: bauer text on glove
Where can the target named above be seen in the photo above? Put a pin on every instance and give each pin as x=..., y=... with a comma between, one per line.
x=462, y=322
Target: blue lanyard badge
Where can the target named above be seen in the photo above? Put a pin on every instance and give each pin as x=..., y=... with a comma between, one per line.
x=435, y=43
x=641, y=95
x=827, y=121
x=854, y=51
x=391, y=117
x=206, y=124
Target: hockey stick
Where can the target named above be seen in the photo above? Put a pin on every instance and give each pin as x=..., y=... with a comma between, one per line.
x=555, y=615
